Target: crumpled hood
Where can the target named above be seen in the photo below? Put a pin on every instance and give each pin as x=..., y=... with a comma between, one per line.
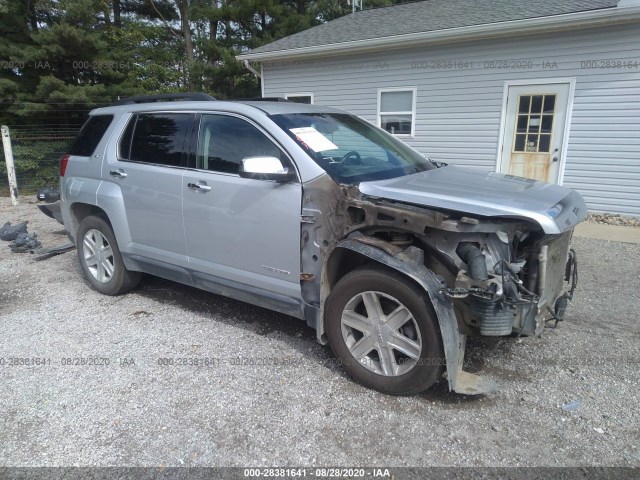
x=556, y=209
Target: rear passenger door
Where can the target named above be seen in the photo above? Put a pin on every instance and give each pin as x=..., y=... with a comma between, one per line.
x=241, y=233
x=148, y=168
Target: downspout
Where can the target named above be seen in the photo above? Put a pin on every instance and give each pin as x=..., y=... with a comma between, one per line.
x=248, y=66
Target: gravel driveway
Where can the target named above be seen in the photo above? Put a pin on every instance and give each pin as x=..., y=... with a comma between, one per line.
x=252, y=387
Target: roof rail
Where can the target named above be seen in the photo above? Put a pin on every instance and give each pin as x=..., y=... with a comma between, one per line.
x=260, y=99
x=165, y=97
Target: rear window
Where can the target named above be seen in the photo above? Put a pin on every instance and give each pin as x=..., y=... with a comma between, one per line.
x=90, y=135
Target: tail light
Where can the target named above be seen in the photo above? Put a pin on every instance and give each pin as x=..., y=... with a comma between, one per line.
x=63, y=164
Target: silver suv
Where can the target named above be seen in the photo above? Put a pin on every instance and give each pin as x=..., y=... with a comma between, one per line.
x=313, y=212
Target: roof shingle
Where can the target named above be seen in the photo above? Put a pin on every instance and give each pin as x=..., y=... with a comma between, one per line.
x=427, y=16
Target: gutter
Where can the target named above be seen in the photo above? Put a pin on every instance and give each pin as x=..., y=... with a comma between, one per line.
x=568, y=21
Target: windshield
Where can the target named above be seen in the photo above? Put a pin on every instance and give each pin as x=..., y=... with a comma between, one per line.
x=349, y=149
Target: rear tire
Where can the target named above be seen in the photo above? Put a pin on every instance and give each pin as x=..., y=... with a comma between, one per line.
x=100, y=258
x=384, y=332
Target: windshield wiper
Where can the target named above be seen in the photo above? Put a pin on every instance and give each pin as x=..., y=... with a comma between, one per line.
x=437, y=164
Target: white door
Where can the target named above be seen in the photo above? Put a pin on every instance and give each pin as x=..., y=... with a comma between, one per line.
x=534, y=130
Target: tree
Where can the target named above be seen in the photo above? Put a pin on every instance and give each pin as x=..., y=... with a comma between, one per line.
x=64, y=57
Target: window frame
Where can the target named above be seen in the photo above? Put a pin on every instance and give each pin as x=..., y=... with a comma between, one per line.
x=414, y=93
x=301, y=94
x=186, y=149
x=195, y=142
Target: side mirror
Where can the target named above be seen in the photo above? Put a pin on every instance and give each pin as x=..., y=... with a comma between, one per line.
x=265, y=168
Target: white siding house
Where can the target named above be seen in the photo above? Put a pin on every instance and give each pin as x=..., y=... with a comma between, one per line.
x=553, y=95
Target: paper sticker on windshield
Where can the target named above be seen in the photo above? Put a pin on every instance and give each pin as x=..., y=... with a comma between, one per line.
x=313, y=139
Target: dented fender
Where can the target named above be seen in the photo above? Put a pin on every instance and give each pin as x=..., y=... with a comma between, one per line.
x=452, y=340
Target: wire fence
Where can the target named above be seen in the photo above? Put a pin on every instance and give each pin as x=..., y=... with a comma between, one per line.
x=36, y=154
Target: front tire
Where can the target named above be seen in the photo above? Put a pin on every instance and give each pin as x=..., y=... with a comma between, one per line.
x=384, y=332
x=100, y=258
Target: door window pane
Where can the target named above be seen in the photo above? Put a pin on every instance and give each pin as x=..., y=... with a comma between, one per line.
x=160, y=138
x=522, y=123
x=536, y=104
x=223, y=142
x=545, y=142
x=525, y=103
x=534, y=123
x=549, y=103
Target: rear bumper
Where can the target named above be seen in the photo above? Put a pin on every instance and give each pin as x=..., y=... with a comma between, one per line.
x=52, y=210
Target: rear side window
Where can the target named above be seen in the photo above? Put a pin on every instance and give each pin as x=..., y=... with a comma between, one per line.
x=158, y=138
x=90, y=135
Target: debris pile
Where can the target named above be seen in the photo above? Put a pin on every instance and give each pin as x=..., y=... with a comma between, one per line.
x=21, y=240
x=10, y=232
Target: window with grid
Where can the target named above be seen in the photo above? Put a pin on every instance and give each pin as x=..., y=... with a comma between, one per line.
x=534, y=125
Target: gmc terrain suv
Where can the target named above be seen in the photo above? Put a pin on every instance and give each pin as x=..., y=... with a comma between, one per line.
x=392, y=258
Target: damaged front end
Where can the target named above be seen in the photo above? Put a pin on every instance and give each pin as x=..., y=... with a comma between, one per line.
x=484, y=276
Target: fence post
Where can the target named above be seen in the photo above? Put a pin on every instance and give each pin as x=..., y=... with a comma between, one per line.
x=11, y=170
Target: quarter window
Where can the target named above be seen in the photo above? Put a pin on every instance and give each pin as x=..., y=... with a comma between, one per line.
x=158, y=138
x=223, y=141
x=90, y=135
x=397, y=110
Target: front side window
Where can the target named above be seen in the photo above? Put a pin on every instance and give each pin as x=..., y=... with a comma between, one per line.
x=349, y=149
x=157, y=138
x=396, y=111
x=223, y=141
x=90, y=135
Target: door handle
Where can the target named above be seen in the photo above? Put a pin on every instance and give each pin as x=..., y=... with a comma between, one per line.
x=555, y=159
x=118, y=173
x=199, y=187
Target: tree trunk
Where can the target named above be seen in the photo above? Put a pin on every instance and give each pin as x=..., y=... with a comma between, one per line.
x=33, y=19
x=185, y=21
x=213, y=32
x=117, y=21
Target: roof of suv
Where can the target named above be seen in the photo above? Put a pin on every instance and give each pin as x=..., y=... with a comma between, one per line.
x=271, y=108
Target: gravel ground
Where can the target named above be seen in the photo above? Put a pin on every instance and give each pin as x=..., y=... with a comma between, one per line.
x=304, y=411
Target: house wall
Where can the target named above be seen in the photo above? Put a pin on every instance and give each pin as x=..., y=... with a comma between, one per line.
x=458, y=110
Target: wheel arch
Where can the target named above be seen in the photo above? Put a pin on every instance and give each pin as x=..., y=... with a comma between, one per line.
x=352, y=253
x=109, y=205
x=79, y=211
